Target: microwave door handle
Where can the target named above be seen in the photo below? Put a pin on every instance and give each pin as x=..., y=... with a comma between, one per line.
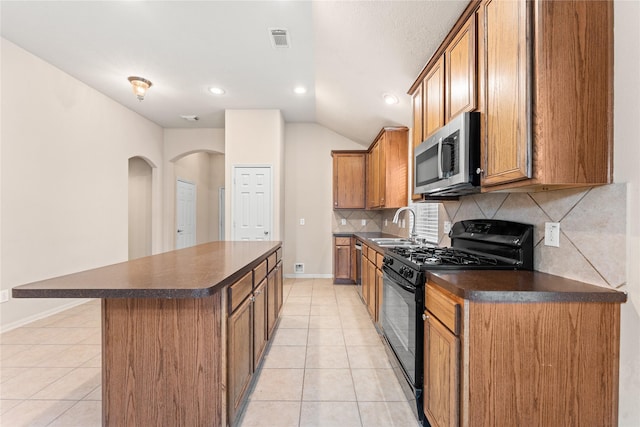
x=440, y=174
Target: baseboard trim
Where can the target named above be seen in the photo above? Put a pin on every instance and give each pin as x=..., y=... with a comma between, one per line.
x=42, y=315
x=308, y=276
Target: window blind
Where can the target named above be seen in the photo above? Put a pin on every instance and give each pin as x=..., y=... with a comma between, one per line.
x=426, y=221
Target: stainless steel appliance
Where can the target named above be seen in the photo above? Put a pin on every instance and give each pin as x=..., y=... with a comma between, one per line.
x=448, y=162
x=476, y=244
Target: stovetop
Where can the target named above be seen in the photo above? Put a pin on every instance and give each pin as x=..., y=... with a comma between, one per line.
x=476, y=244
x=437, y=257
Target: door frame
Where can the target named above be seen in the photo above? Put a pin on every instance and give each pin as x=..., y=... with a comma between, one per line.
x=232, y=200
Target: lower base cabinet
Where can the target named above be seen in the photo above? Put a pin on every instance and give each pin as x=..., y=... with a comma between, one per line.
x=254, y=305
x=508, y=363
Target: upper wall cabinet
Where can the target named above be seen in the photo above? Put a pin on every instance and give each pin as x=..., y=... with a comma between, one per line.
x=387, y=169
x=546, y=76
x=540, y=73
x=349, y=179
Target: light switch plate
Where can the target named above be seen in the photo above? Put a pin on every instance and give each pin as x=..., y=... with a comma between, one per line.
x=301, y=221
x=4, y=295
x=364, y=222
x=447, y=227
x=343, y=221
x=552, y=234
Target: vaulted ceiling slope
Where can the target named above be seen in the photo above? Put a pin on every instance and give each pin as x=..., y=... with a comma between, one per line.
x=346, y=53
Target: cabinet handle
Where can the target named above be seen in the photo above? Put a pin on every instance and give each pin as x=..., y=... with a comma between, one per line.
x=257, y=293
x=424, y=317
x=252, y=298
x=479, y=171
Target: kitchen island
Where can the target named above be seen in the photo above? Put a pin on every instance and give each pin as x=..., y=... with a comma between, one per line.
x=164, y=328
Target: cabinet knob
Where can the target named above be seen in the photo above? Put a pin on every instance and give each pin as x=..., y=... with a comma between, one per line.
x=479, y=171
x=424, y=316
x=335, y=203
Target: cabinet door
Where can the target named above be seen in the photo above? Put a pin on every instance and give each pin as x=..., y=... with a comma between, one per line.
x=365, y=275
x=279, y=287
x=378, y=293
x=441, y=373
x=373, y=177
x=342, y=263
x=506, y=146
x=260, y=297
x=417, y=136
x=434, y=98
x=240, y=355
x=371, y=301
x=382, y=170
x=460, y=67
x=348, y=180
x=272, y=300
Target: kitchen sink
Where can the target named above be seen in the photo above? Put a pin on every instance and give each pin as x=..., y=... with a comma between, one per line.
x=390, y=240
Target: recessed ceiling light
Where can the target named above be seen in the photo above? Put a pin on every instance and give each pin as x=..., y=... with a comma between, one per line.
x=300, y=90
x=390, y=99
x=190, y=118
x=216, y=90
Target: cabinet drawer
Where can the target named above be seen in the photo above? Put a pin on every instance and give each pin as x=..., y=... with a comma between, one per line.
x=379, y=258
x=343, y=241
x=240, y=290
x=271, y=261
x=365, y=251
x=260, y=272
x=444, y=306
x=279, y=255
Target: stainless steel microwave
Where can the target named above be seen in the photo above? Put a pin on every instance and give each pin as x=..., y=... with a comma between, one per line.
x=446, y=163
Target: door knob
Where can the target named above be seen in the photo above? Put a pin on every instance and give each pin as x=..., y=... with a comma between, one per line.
x=180, y=231
x=266, y=232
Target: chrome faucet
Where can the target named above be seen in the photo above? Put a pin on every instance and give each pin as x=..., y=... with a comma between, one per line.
x=413, y=236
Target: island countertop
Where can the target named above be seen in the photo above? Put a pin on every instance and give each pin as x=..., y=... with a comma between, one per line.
x=194, y=272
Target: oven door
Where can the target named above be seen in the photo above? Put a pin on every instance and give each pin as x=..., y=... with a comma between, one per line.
x=401, y=326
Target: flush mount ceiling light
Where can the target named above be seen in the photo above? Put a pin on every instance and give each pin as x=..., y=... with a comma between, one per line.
x=190, y=118
x=300, y=90
x=390, y=99
x=216, y=90
x=140, y=86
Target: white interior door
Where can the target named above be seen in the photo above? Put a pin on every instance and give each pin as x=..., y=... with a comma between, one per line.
x=252, y=203
x=185, y=214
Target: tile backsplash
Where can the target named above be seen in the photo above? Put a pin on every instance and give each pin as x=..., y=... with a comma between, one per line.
x=592, y=227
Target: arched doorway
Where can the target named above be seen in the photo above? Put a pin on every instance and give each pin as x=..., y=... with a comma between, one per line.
x=140, y=231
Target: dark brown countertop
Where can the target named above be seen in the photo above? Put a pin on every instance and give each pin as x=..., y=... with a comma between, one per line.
x=520, y=286
x=194, y=272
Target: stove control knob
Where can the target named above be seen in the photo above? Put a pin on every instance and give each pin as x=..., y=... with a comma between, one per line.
x=408, y=274
x=387, y=261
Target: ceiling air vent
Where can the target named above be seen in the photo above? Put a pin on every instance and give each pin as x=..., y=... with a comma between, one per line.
x=279, y=38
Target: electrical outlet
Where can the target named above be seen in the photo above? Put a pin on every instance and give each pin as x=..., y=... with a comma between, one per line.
x=364, y=222
x=447, y=227
x=343, y=221
x=301, y=221
x=298, y=268
x=552, y=234
x=386, y=222
x=4, y=295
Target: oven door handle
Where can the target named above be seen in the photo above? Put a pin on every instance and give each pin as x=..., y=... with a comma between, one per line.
x=440, y=173
x=398, y=281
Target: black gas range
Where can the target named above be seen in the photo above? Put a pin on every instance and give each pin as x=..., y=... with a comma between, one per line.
x=475, y=244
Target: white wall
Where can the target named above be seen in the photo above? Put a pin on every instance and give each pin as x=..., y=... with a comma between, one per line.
x=256, y=138
x=65, y=151
x=140, y=208
x=626, y=161
x=308, y=190
x=177, y=144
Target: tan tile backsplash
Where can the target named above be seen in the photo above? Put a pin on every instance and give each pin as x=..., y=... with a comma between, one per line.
x=592, y=227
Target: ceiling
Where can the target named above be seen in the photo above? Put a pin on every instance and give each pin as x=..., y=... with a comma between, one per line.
x=346, y=53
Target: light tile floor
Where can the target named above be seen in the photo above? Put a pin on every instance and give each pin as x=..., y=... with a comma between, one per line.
x=326, y=366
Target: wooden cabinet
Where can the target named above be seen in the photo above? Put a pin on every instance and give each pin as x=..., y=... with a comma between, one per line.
x=519, y=363
x=372, y=281
x=441, y=359
x=343, y=260
x=253, y=308
x=240, y=355
x=460, y=70
x=387, y=169
x=416, y=136
x=259, y=300
x=434, y=88
x=546, y=86
x=349, y=179
x=274, y=297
